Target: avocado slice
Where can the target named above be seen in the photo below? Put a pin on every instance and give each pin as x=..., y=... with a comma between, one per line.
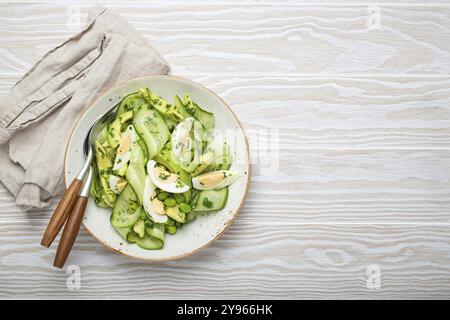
x=108, y=196
x=206, y=118
x=115, y=128
x=155, y=101
x=104, y=165
x=175, y=213
x=104, y=161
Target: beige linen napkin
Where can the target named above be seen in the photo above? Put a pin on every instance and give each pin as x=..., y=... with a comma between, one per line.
x=37, y=116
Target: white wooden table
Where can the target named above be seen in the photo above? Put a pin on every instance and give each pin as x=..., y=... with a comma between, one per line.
x=363, y=110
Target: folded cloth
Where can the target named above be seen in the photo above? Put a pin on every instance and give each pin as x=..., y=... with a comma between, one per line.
x=38, y=114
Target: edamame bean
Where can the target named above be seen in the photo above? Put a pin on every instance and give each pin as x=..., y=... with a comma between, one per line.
x=179, y=197
x=170, y=202
x=171, y=229
x=163, y=196
x=185, y=207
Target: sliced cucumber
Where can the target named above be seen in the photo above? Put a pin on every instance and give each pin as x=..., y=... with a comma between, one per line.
x=152, y=128
x=156, y=231
x=130, y=102
x=123, y=232
x=187, y=179
x=165, y=158
x=124, y=214
x=136, y=171
x=139, y=227
x=132, y=236
x=149, y=243
x=144, y=150
x=137, y=153
x=136, y=177
x=178, y=111
x=209, y=200
x=225, y=159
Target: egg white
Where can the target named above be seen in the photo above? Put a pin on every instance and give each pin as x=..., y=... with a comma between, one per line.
x=149, y=193
x=114, y=184
x=177, y=186
x=122, y=159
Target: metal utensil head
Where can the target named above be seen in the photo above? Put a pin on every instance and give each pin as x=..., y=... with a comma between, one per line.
x=97, y=127
x=92, y=134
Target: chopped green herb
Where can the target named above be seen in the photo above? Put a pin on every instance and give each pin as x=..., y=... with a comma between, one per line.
x=207, y=204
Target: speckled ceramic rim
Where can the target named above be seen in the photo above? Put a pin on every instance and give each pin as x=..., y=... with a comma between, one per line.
x=249, y=169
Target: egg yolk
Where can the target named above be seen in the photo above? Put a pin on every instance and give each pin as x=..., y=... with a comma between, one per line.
x=164, y=176
x=211, y=179
x=158, y=206
x=124, y=145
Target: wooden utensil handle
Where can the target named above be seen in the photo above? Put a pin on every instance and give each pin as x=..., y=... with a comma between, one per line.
x=61, y=213
x=70, y=232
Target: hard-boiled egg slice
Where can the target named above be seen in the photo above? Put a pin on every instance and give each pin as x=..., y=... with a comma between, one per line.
x=123, y=151
x=165, y=180
x=133, y=133
x=153, y=211
x=117, y=184
x=214, y=179
x=187, y=144
x=181, y=141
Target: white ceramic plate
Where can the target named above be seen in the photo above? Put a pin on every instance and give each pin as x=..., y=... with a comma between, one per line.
x=205, y=229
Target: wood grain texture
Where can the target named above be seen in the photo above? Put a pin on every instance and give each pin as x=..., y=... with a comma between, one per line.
x=363, y=173
x=334, y=112
x=305, y=261
x=265, y=39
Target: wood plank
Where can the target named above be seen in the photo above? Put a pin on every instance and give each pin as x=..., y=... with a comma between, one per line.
x=278, y=261
x=304, y=39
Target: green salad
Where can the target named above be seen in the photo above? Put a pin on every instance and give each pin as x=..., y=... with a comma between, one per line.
x=158, y=165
